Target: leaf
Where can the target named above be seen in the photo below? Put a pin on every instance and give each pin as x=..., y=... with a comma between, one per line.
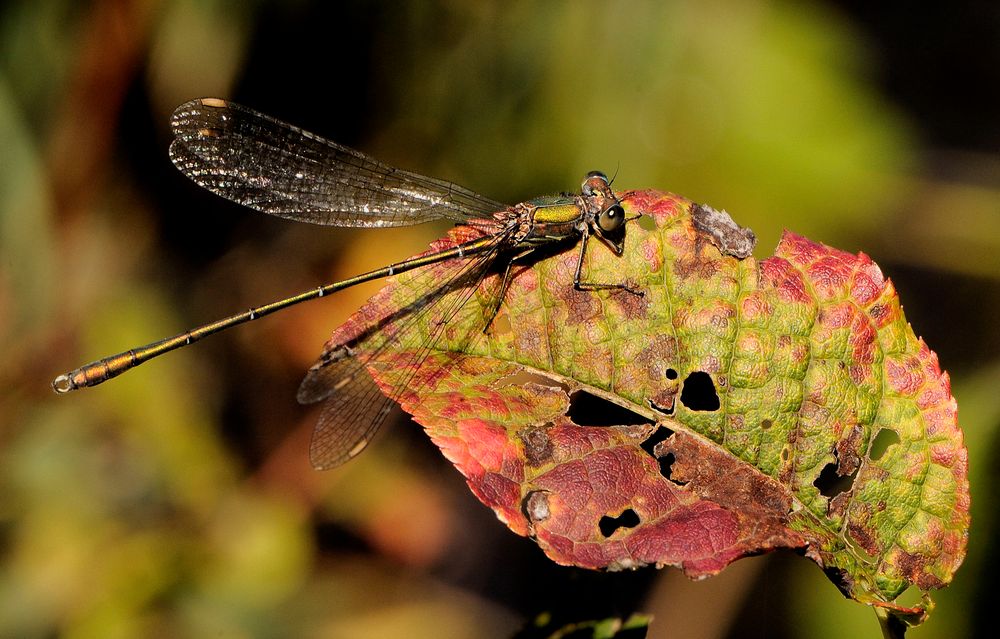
x=546, y=626
x=788, y=405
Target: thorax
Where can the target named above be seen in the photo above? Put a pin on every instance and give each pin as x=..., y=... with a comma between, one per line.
x=550, y=219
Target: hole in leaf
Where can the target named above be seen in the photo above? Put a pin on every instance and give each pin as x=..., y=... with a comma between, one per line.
x=628, y=519
x=766, y=424
x=699, y=392
x=536, y=506
x=586, y=409
x=660, y=435
x=885, y=438
x=666, y=464
x=841, y=579
x=784, y=454
x=831, y=483
x=666, y=410
x=911, y=597
x=671, y=373
x=538, y=447
x=646, y=223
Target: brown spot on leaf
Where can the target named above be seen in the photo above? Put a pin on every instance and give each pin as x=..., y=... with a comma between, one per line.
x=633, y=307
x=712, y=473
x=663, y=401
x=582, y=306
x=694, y=264
x=537, y=445
x=877, y=474
x=658, y=360
x=838, y=505
x=913, y=567
x=529, y=340
x=861, y=536
x=847, y=451
x=659, y=355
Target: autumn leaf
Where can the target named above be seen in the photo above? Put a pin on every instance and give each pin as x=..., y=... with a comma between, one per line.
x=779, y=404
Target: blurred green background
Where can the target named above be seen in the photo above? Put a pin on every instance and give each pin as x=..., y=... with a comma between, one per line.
x=178, y=500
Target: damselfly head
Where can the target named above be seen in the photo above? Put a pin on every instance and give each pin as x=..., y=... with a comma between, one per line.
x=610, y=227
x=606, y=215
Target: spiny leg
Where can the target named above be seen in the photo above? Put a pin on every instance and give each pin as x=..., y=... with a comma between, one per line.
x=596, y=286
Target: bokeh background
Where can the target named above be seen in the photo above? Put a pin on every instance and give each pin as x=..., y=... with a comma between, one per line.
x=178, y=500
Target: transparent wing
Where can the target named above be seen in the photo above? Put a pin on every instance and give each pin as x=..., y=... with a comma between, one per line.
x=276, y=168
x=354, y=407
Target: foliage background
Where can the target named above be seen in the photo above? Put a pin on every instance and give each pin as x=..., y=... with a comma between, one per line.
x=178, y=500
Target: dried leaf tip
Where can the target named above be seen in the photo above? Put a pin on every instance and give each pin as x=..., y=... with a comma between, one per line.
x=728, y=236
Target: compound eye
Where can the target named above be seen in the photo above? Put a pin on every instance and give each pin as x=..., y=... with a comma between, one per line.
x=612, y=218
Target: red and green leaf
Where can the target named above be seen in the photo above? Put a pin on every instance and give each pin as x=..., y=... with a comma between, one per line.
x=818, y=379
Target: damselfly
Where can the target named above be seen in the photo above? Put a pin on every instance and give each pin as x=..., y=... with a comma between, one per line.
x=276, y=168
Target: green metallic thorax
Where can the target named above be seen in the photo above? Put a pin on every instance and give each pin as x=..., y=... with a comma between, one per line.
x=554, y=218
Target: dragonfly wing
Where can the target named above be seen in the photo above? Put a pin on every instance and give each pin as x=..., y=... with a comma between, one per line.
x=354, y=407
x=276, y=168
